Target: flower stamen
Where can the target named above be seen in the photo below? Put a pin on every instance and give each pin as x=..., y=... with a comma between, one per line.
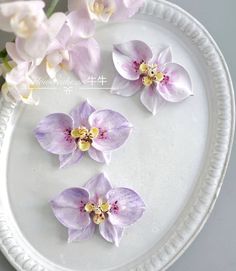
x=143, y=68
x=84, y=137
x=79, y=133
x=99, y=8
x=99, y=211
x=105, y=207
x=151, y=74
x=99, y=218
x=89, y=207
x=147, y=81
x=159, y=76
x=94, y=132
x=84, y=145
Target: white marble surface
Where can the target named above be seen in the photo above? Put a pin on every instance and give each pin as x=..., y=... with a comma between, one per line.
x=214, y=249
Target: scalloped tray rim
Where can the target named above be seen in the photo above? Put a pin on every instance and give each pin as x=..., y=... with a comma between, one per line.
x=22, y=262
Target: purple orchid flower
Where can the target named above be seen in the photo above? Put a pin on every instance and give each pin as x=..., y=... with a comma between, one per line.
x=85, y=129
x=97, y=203
x=138, y=68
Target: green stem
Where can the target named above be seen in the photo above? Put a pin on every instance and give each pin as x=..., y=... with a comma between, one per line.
x=6, y=64
x=3, y=53
x=52, y=7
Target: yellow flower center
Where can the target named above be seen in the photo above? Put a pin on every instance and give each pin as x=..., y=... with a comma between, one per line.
x=84, y=137
x=147, y=81
x=24, y=27
x=159, y=76
x=99, y=8
x=143, y=68
x=98, y=211
x=150, y=74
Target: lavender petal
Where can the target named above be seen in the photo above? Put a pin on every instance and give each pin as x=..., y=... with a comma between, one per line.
x=71, y=158
x=98, y=187
x=127, y=206
x=114, y=129
x=81, y=234
x=68, y=207
x=111, y=233
x=81, y=113
x=53, y=134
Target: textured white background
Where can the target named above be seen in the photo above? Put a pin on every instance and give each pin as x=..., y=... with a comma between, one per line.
x=215, y=247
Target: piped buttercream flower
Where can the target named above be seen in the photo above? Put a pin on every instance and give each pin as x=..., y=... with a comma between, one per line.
x=89, y=11
x=19, y=84
x=155, y=74
x=74, y=50
x=34, y=31
x=97, y=203
x=21, y=17
x=85, y=129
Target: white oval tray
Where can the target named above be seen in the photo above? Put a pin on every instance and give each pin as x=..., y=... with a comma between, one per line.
x=179, y=172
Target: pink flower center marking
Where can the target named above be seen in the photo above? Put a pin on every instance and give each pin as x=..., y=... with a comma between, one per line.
x=136, y=65
x=68, y=136
x=165, y=80
x=81, y=206
x=102, y=134
x=115, y=207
